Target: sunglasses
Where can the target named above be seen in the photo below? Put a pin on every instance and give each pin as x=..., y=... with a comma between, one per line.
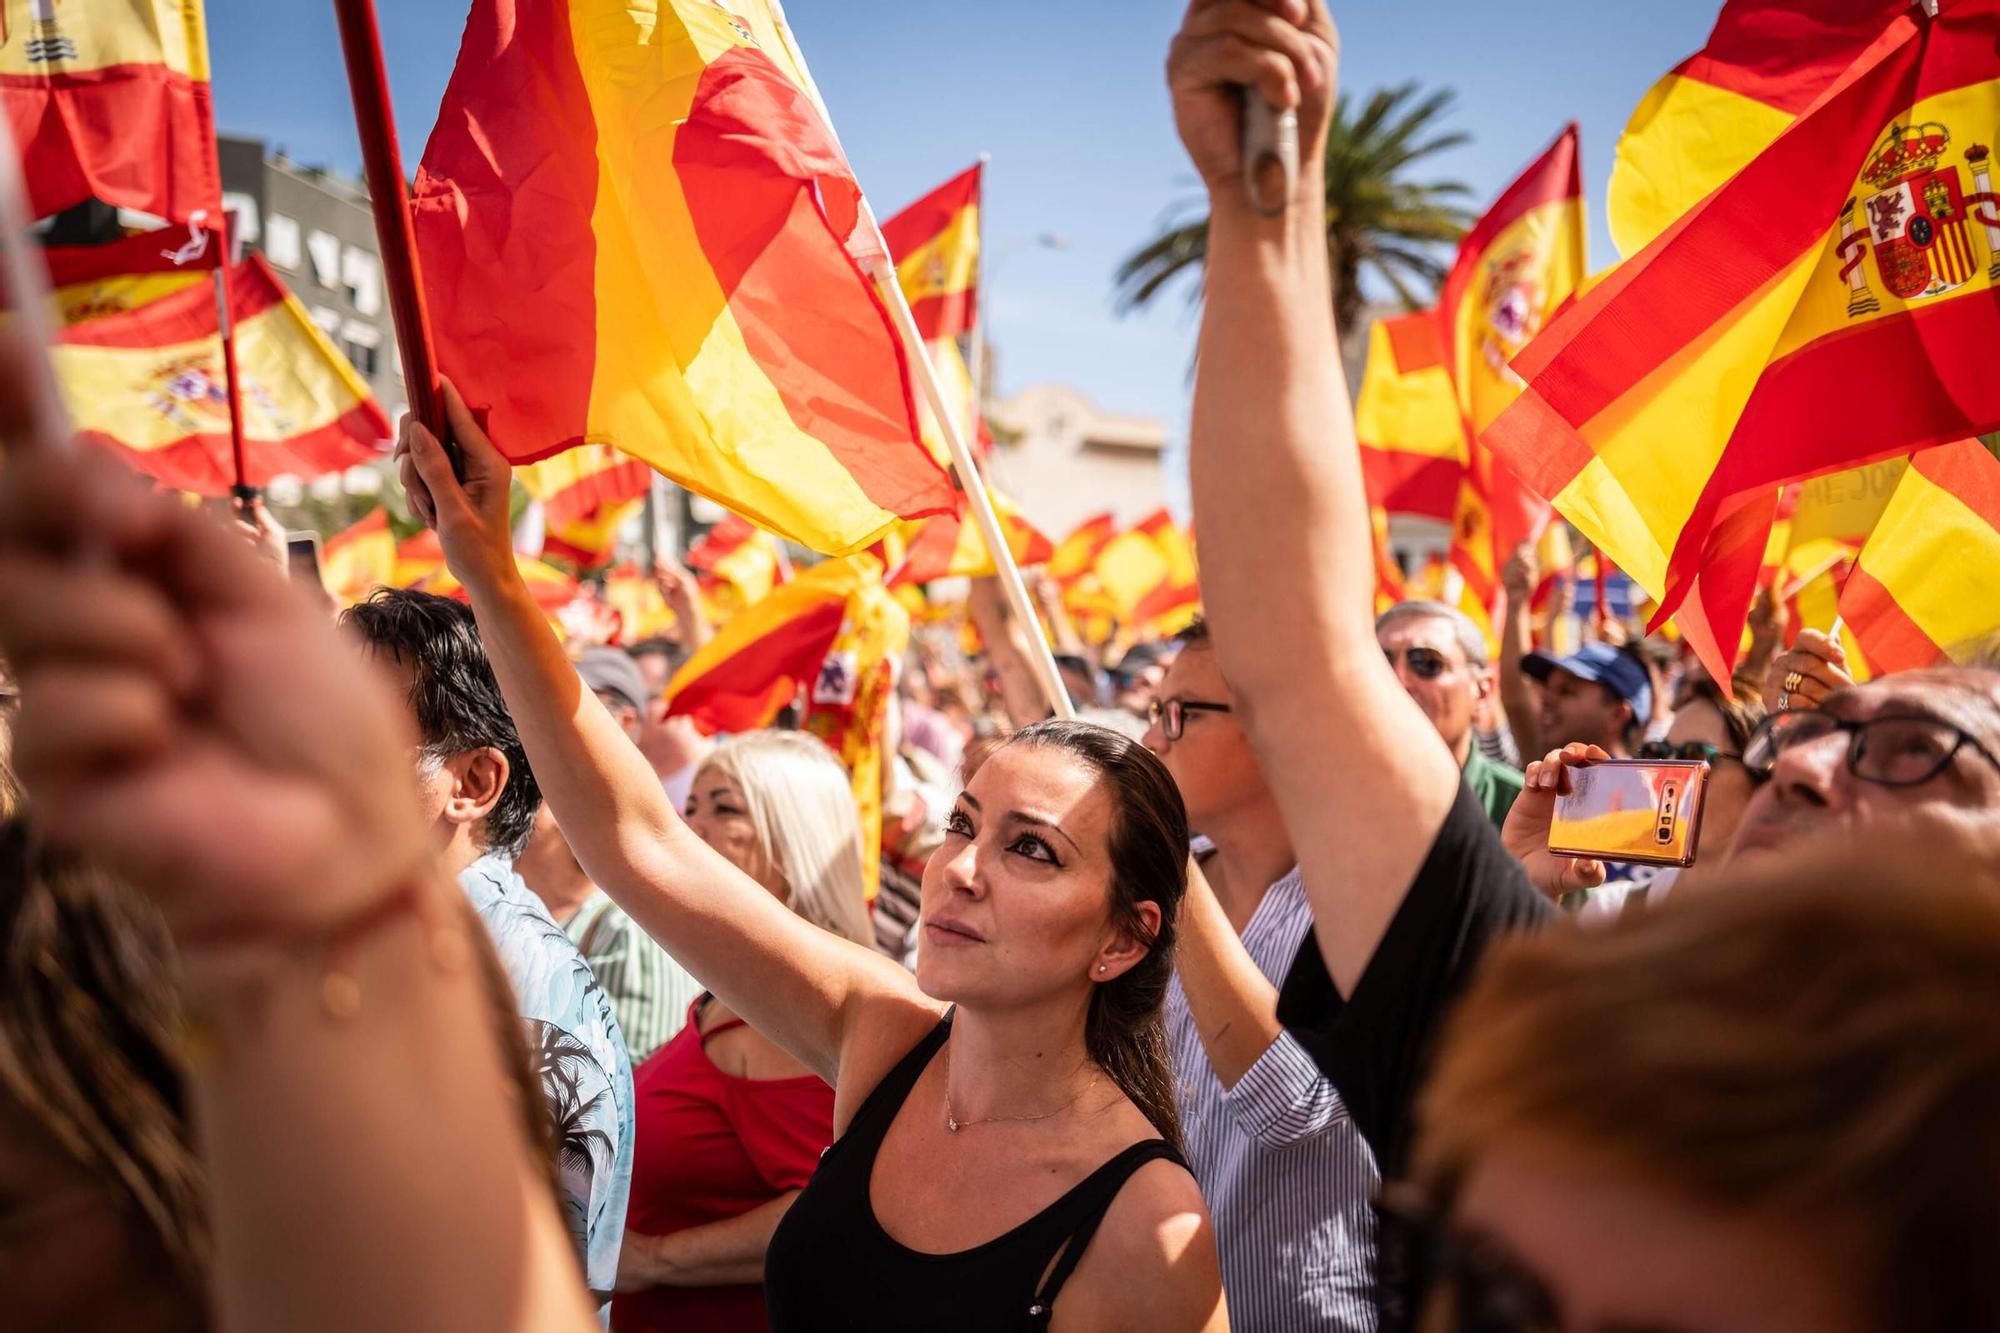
x=1690, y=750
x=1435, y=1276
x=1424, y=663
x=1171, y=714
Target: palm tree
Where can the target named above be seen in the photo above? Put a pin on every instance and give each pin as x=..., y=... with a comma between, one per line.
x=1376, y=217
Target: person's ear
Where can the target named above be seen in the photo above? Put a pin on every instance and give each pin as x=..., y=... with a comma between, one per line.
x=478, y=777
x=1121, y=950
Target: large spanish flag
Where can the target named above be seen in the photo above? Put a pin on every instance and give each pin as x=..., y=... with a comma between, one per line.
x=1924, y=584
x=1518, y=264
x=935, y=242
x=635, y=226
x=1826, y=307
x=1766, y=61
x=1406, y=419
x=109, y=99
x=148, y=386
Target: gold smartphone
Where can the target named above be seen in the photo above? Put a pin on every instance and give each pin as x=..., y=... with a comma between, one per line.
x=1633, y=810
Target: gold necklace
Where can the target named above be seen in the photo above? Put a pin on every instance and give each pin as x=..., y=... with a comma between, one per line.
x=954, y=1124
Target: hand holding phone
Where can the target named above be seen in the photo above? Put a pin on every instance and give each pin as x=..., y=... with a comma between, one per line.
x=1644, y=811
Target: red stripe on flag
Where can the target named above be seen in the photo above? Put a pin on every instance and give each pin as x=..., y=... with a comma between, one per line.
x=183, y=316
x=847, y=385
x=516, y=112
x=627, y=480
x=931, y=214
x=202, y=462
x=1801, y=426
x=135, y=136
x=1406, y=483
x=1891, y=640
x=1782, y=53
x=1415, y=341
x=745, y=690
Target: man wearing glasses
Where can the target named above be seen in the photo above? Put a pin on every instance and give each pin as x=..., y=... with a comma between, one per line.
x=1440, y=656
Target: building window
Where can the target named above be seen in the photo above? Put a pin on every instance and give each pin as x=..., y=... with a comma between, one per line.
x=362, y=276
x=241, y=210
x=363, y=359
x=281, y=241
x=362, y=342
x=325, y=251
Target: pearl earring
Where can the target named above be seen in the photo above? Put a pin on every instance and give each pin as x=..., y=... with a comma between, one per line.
x=1100, y=969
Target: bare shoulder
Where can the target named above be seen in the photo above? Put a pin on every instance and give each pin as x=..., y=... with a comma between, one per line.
x=886, y=1023
x=1152, y=1264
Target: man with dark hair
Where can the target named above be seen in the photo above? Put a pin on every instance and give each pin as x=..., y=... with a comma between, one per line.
x=1599, y=695
x=482, y=798
x=1286, y=1173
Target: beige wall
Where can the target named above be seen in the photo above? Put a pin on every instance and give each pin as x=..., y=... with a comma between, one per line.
x=1062, y=459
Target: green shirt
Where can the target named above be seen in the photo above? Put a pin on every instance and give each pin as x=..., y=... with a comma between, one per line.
x=1494, y=785
x=650, y=993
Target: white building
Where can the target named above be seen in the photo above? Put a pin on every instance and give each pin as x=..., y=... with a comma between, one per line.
x=1063, y=459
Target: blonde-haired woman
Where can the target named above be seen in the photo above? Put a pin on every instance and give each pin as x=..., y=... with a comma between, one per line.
x=729, y=1125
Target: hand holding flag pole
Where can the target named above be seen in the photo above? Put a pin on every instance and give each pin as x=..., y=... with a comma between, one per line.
x=388, y=192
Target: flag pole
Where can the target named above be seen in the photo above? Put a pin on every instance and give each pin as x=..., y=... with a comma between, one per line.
x=1040, y=656
x=388, y=194
x=43, y=422
x=225, y=321
x=976, y=350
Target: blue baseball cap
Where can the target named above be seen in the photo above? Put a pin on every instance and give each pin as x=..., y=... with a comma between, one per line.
x=1605, y=665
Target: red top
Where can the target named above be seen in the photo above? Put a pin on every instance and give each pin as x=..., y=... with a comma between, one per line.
x=712, y=1146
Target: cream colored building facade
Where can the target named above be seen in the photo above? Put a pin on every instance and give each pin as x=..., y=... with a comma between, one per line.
x=1063, y=459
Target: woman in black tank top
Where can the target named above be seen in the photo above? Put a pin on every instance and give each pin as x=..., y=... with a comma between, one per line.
x=1046, y=924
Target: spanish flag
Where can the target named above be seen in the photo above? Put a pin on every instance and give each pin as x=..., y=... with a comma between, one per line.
x=848, y=702
x=741, y=557
x=636, y=229
x=952, y=546
x=148, y=386
x=1149, y=574
x=1390, y=586
x=643, y=612
x=1923, y=586
x=1076, y=554
x=1407, y=421
x=1517, y=265
x=111, y=101
x=757, y=662
x=92, y=281
x=1825, y=308
x=550, y=587
x=582, y=482
x=935, y=242
x=359, y=559
x=587, y=541
x=418, y=556
x=1764, y=64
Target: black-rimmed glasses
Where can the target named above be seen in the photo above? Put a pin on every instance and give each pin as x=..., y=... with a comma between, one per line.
x=1896, y=751
x=1171, y=714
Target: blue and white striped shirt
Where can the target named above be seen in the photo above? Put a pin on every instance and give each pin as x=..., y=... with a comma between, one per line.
x=1287, y=1176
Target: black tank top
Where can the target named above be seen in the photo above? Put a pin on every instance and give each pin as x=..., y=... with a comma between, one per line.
x=830, y=1264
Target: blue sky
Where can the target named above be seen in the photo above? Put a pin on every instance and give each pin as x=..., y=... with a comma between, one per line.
x=1070, y=101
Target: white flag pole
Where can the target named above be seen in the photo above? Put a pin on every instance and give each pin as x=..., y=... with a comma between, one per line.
x=881, y=270
x=976, y=351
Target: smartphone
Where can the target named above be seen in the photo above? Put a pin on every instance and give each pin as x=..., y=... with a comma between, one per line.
x=1633, y=810
x=302, y=556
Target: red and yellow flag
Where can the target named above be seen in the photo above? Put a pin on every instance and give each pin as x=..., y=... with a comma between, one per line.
x=935, y=242
x=952, y=546
x=93, y=281
x=742, y=558
x=418, y=556
x=1149, y=575
x=1764, y=64
x=1076, y=554
x=636, y=230
x=111, y=101
x=581, y=482
x=1924, y=583
x=1824, y=308
x=847, y=703
x=148, y=386
x=1517, y=265
x=642, y=610
x=550, y=587
x=1390, y=586
x=586, y=542
x=359, y=559
x=1407, y=421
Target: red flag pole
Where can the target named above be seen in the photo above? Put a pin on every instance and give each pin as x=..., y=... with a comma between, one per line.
x=225, y=321
x=1601, y=595
x=382, y=160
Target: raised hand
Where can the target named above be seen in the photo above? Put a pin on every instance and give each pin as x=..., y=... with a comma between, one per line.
x=470, y=516
x=1526, y=832
x=189, y=717
x=1286, y=50
x=1801, y=677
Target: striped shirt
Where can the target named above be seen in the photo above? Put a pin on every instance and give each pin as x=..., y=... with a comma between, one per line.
x=1286, y=1174
x=649, y=991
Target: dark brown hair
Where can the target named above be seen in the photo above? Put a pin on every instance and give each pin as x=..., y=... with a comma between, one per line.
x=1815, y=1047
x=1125, y=1032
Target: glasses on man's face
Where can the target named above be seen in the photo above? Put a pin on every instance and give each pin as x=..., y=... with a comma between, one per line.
x=1900, y=751
x=1171, y=714
x=1688, y=750
x=1425, y=663
x=1429, y=1268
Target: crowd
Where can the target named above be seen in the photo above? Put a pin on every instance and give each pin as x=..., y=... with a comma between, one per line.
x=412, y=973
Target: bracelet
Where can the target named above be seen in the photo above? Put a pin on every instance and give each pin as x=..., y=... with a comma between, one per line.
x=332, y=950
